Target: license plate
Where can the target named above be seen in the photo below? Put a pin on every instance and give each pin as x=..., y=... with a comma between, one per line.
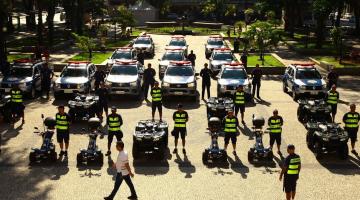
x=119, y=92
x=68, y=91
x=313, y=93
x=178, y=93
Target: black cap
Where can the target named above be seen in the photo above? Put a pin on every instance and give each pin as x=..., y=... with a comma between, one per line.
x=291, y=146
x=61, y=106
x=180, y=105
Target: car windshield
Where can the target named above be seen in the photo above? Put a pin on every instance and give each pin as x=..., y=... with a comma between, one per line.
x=142, y=41
x=223, y=56
x=216, y=42
x=233, y=74
x=21, y=71
x=124, y=70
x=74, y=72
x=307, y=74
x=177, y=43
x=173, y=56
x=122, y=55
x=180, y=71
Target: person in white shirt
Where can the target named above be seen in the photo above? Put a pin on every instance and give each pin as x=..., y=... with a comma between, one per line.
x=123, y=172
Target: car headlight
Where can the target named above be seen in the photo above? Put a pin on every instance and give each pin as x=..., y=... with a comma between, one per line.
x=303, y=87
x=165, y=84
x=133, y=84
x=191, y=85
x=108, y=83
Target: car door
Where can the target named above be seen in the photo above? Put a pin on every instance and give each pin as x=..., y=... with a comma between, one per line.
x=290, y=79
x=37, y=77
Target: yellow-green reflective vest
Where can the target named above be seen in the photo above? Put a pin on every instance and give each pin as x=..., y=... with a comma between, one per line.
x=230, y=125
x=352, y=120
x=332, y=97
x=293, y=168
x=16, y=96
x=62, y=122
x=114, y=124
x=275, y=125
x=239, y=98
x=180, y=120
x=156, y=95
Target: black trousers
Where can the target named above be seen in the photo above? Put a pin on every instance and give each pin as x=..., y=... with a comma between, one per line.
x=145, y=88
x=256, y=87
x=207, y=87
x=119, y=179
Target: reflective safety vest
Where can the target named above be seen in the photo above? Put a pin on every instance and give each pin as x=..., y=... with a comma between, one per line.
x=230, y=125
x=114, y=124
x=332, y=98
x=352, y=120
x=180, y=120
x=156, y=95
x=275, y=125
x=62, y=122
x=16, y=96
x=239, y=98
x=293, y=168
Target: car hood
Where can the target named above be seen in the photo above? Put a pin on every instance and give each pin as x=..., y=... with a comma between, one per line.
x=220, y=62
x=177, y=47
x=141, y=46
x=234, y=82
x=13, y=79
x=179, y=79
x=214, y=46
x=121, y=78
x=310, y=82
x=72, y=80
x=164, y=62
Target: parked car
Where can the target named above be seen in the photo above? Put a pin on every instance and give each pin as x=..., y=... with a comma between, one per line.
x=219, y=57
x=178, y=42
x=121, y=54
x=171, y=54
x=146, y=44
x=213, y=42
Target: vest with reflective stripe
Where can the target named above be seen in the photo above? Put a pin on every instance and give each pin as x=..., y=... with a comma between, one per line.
x=230, y=125
x=293, y=168
x=332, y=97
x=62, y=122
x=352, y=120
x=180, y=120
x=114, y=124
x=275, y=125
x=239, y=98
x=156, y=95
x=16, y=96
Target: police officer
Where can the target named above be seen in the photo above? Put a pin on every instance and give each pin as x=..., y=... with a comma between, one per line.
x=290, y=171
x=332, y=99
x=192, y=57
x=149, y=79
x=230, y=128
x=275, y=124
x=46, y=75
x=62, y=130
x=351, y=120
x=103, y=94
x=239, y=102
x=332, y=78
x=141, y=57
x=114, y=122
x=156, y=94
x=180, y=118
x=256, y=75
x=206, y=75
x=17, y=106
x=99, y=77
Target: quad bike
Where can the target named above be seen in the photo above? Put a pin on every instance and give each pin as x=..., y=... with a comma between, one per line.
x=218, y=107
x=313, y=110
x=83, y=107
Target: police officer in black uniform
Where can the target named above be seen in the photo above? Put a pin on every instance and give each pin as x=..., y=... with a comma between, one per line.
x=332, y=78
x=141, y=57
x=192, y=57
x=149, y=80
x=103, y=94
x=180, y=118
x=156, y=94
x=99, y=77
x=114, y=122
x=256, y=75
x=275, y=124
x=46, y=76
x=206, y=75
x=17, y=106
x=62, y=130
x=230, y=128
x=290, y=171
x=332, y=98
x=239, y=102
x=351, y=120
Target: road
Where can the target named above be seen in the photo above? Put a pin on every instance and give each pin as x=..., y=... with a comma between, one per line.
x=179, y=176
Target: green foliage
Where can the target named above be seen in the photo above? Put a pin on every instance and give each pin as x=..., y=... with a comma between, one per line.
x=85, y=43
x=217, y=7
x=239, y=25
x=336, y=35
x=123, y=16
x=231, y=10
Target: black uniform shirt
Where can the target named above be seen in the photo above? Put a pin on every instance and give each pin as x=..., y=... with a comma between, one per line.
x=256, y=74
x=149, y=74
x=206, y=75
x=46, y=74
x=99, y=76
x=103, y=94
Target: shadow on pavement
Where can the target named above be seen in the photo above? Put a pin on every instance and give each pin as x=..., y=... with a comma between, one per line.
x=247, y=131
x=150, y=165
x=172, y=102
x=185, y=165
x=351, y=166
x=7, y=132
x=237, y=166
x=263, y=102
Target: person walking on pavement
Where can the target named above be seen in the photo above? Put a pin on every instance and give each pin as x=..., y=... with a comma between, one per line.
x=206, y=75
x=62, y=130
x=17, y=105
x=180, y=118
x=239, y=102
x=46, y=76
x=156, y=94
x=149, y=80
x=332, y=78
x=99, y=77
x=141, y=57
x=256, y=81
x=332, y=98
x=290, y=171
x=351, y=120
x=123, y=173
x=275, y=124
x=103, y=94
x=114, y=122
x=244, y=59
x=192, y=57
x=230, y=128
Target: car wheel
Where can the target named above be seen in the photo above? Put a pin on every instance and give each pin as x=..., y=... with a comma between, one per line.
x=285, y=89
x=295, y=96
x=33, y=93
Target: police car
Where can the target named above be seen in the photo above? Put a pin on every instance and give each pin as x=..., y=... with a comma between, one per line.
x=144, y=43
x=124, y=53
x=25, y=73
x=179, y=79
x=219, y=57
x=303, y=79
x=178, y=42
x=214, y=42
x=171, y=54
x=230, y=77
x=76, y=77
x=125, y=78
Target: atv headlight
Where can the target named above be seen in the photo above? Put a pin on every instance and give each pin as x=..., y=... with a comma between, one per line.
x=133, y=84
x=157, y=138
x=72, y=104
x=191, y=85
x=138, y=138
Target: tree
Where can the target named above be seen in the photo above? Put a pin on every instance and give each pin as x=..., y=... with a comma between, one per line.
x=121, y=15
x=85, y=43
x=29, y=6
x=162, y=5
x=336, y=36
x=218, y=7
x=293, y=14
x=50, y=7
x=322, y=10
x=5, y=6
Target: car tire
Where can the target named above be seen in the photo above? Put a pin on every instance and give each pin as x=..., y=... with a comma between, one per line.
x=32, y=93
x=285, y=89
x=295, y=96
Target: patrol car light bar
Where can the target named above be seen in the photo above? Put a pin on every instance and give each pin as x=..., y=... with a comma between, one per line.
x=24, y=60
x=180, y=62
x=222, y=49
x=78, y=62
x=124, y=48
x=216, y=36
x=235, y=64
x=174, y=49
x=305, y=64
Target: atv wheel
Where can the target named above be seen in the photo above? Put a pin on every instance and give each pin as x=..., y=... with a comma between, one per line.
x=270, y=156
x=135, y=152
x=224, y=157
x=317, y=150
x=32, y=157
x=250, y=156
x=79, y=159
x=343, y=152
x=300, y=115
x=205, y=157
x=100, y=159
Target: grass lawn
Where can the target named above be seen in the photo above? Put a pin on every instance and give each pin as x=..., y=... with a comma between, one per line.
x=332, y=61
x=270, y=61
x=12, y=57
x=97, y=57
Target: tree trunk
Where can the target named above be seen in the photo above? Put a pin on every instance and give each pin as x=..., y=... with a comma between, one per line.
x=320, y=32
x=3, y=55
x=80, y=17
x=50, y=21
x=90, y=54
x=30, y=17
x=339, y=11
x=357, y=20
x=40, y=25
